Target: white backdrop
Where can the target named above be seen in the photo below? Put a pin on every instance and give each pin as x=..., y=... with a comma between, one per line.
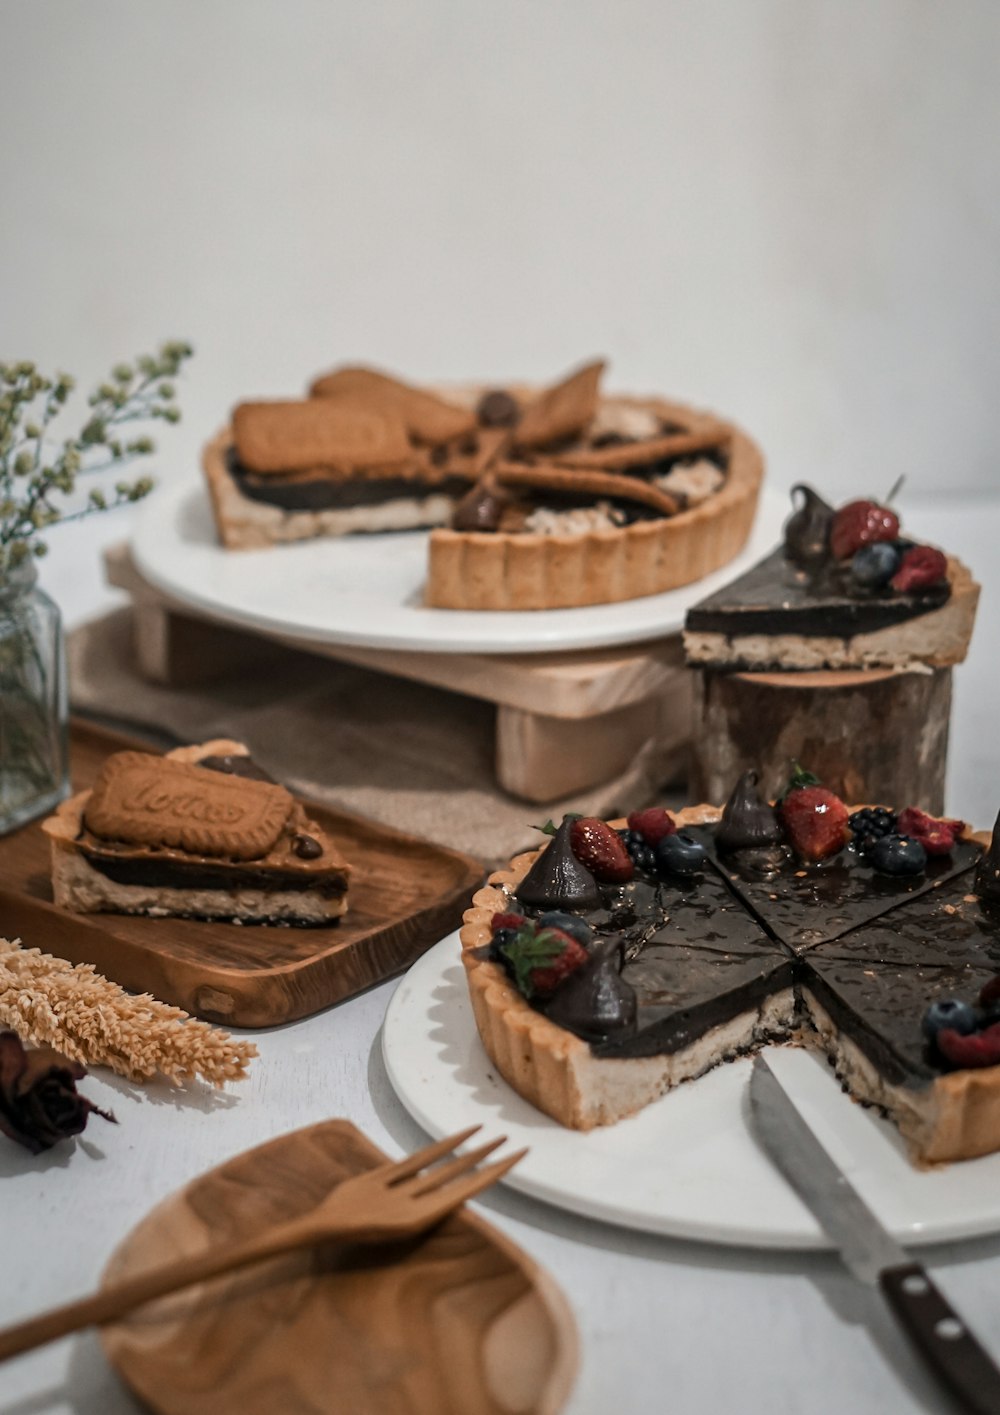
x=785, y=209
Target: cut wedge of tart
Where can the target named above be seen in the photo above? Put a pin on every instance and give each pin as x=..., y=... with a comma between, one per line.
x=835, y=596
x=884, y=954
x=202, y=832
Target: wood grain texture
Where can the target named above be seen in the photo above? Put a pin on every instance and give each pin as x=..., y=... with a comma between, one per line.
x=176, y=644
x=460, y=1322
x=869, y=736
x=405, y=894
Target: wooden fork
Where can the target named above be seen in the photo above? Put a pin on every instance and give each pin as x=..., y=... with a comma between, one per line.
x=395, y=1200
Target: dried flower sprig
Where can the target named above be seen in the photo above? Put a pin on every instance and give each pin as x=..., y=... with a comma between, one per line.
x=35, y=470
x=87, y=1018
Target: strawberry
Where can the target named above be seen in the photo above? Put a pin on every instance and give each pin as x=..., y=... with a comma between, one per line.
x=653, y=824
x=601, y=850
x=540, y=959
x=919, y=568
x=861, y=523
x=815, y=819
x=506, y=921
x=936, y=836
x=978, y=1049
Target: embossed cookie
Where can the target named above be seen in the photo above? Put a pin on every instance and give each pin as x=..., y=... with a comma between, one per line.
x=201, y=833
x=146, y=800
x=427, y=418
x=295, y=436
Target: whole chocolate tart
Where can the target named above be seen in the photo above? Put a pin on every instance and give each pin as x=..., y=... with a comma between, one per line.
x=202, y=832
x=755, y=945
x=539, y=498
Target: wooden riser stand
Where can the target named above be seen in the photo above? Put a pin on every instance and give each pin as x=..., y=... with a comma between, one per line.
x=565, y=721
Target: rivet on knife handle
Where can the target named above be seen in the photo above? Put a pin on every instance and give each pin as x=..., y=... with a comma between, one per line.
x=942, y=1338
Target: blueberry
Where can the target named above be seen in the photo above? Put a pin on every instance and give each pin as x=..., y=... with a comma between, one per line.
x=570, y=924
x=897, y=855
x=680, y=854
x=499, y=942
x=949, y=1012
x=874, y=565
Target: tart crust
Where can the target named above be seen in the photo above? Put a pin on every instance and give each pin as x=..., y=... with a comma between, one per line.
x=956, y=1117
x=497, y=570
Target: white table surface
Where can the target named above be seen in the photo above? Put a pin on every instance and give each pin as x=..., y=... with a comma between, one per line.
x=664, y=1324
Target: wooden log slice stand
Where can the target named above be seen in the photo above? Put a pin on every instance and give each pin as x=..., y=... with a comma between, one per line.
x=870, y=735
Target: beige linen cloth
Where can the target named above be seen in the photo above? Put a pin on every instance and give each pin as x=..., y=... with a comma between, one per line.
x=407, y=755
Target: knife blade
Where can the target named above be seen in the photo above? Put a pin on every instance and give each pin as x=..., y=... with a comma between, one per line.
x=937, y=1332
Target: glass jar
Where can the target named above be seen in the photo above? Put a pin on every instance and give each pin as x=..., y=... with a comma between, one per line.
x=34, y=754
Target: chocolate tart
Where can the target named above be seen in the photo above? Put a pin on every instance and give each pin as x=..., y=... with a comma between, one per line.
x=200, y=833
x=524, y=569
x=723, y=964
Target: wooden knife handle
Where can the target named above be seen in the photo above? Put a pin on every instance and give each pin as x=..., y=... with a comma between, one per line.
x=941, y=1337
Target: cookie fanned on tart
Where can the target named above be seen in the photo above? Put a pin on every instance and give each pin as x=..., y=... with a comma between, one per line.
x=202, y=832
x=845, y=590
x=540, y=498
x=622, y=959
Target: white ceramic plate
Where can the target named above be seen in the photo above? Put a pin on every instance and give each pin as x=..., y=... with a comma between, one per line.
x=367, y=589
x=686, y=1165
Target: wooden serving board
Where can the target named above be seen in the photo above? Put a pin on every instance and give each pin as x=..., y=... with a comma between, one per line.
x=405, y=894
x=459, y=1322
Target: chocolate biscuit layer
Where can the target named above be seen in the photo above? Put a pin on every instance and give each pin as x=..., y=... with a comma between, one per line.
x=316, y=491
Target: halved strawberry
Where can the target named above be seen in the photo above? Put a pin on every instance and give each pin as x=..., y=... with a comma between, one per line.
x=976, y=1050
x=815, y=819
x=653, y=824
x=541, y=959
x=599, y=847
x=861, y=523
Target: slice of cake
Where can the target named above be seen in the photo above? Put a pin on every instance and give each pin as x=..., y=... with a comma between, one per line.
x=202, y=832
x=845, y=590
x=622, y=959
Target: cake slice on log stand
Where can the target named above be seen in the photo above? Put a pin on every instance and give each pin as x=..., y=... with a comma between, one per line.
x=833, y=648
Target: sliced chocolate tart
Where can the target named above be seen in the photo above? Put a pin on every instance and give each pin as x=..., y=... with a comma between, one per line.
x=624, y=958
x=544, y=498
x=844, y=590
x=202, y=832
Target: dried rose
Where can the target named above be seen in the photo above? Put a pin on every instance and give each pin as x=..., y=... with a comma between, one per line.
x=39, y=1103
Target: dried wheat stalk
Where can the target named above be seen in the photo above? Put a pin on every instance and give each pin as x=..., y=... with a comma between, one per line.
x=89, y=1019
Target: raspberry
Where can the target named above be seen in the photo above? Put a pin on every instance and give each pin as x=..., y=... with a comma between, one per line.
x=506, y=921
x=919, y=568
x=861, y=523
x=978, y=1049
x=652, y=824
x=600, y=848
x=936, y=836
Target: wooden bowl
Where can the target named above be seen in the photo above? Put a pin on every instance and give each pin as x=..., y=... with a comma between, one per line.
x=459, y=1322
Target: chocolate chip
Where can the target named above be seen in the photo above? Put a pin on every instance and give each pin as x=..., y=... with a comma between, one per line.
x=498, y=409
x=306, y=847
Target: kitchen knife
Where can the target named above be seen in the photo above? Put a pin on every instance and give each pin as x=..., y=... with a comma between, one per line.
x=869, y=1251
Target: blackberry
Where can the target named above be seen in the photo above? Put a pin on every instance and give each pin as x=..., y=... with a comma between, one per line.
x=643, y=856
x=870, y=824
x=498, y=946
